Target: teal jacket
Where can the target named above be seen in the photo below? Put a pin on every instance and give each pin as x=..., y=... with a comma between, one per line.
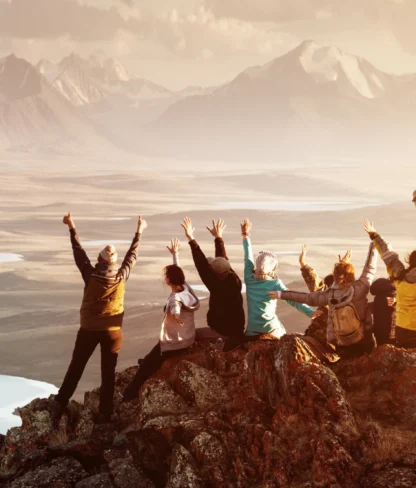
x=262, y=317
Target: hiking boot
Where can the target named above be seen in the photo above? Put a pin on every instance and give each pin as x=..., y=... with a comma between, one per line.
x=55, y=411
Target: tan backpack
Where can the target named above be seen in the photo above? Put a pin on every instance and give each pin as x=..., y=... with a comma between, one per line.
x=346, y=323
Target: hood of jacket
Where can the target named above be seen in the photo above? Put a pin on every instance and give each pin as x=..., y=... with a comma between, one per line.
x=411, y=276
x=106, y=270
x=340, y=296
x=383, y=287
x=188, y=298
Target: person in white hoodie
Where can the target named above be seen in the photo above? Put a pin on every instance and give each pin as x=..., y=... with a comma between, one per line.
x=178, y=326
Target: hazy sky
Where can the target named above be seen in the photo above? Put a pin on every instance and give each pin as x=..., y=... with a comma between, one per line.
x=182, y=42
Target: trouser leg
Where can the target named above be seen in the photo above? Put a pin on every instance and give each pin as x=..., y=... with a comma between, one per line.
x=111, y=342
x=150, y=364
x=85, y=345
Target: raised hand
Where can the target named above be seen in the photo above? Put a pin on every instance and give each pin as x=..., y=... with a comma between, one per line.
x=187, y=227
x=67, y=220
x=141, y=225
x=174, y=246
x=302, y=257
x=246, y=228
x=217, y=228
x=346, y=258
x=369, y=227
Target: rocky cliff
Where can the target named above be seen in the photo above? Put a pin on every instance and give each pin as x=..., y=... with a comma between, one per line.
x=271, y=414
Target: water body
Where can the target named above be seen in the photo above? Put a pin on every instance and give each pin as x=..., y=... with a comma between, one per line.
x=18, y=392
x=119, y=218
x=298, y=206
x=9, y=257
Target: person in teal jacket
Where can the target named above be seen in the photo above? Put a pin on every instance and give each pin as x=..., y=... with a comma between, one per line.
x=260, y=279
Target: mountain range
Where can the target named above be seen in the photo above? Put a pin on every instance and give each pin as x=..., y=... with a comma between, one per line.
x=315, y=101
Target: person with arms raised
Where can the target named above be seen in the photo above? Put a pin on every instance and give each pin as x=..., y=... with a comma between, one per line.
x=405, y=281
x=350, y=327
x=262, y=278
x=102, y=313
x=226, y=313
x=177, y=333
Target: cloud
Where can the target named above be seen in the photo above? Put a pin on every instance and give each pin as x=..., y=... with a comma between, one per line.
x=54, y=18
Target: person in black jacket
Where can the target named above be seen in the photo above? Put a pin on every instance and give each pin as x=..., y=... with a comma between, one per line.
x=384, y=310
x=226, y=313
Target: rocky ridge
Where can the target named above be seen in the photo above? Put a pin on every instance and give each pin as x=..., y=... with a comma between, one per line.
x=271, y=414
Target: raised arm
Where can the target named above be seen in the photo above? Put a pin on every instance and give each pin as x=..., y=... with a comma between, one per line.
x=131, y=257
x=80, y=256
x=174, y=250
x=201, y=263
x=395, y=267
x=217, y=231
x=248, y=252
x=299, y=305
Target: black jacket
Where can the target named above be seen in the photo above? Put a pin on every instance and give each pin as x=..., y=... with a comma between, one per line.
x=226, y=313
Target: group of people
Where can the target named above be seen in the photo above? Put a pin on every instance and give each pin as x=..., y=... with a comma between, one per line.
x=352, y=323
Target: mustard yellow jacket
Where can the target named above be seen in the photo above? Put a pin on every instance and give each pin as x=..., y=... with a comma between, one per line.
x=405, y=284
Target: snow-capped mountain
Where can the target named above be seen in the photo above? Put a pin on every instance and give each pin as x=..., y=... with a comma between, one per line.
x=33, y=115
x=94, y=80
x=313, y=100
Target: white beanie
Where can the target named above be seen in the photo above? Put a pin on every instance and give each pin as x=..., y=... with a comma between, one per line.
x=266, y=264
x=109, y=254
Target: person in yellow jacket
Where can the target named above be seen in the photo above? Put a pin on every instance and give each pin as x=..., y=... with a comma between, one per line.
x=405, y=279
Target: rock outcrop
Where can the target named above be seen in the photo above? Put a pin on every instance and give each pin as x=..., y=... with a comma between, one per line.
x=270, y=414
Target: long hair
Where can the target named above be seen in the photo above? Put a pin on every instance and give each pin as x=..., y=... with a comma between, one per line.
x=344, y=274
x=411, y=260
x=174, y=275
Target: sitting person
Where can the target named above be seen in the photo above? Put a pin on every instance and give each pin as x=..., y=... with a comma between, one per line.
x=384, y=310
x=226, y=313
x=178, y=325
x=405, y=280
x=260, y=279
x=349, y=321
x=102, y=313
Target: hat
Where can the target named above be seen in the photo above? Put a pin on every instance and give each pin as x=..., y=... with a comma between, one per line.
x=220, y=265
x=266, y=264
x=414, y=196
x=109, y=254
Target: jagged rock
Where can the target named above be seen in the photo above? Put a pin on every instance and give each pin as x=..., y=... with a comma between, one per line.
x=102, y=480
x=198, y=385
x=270, y=414
x=60, y=473
x=158, y=399
x=183, y=470
x=391, y=478
x=127, y=475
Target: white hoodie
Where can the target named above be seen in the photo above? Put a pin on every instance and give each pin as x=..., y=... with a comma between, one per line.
x=174, y=336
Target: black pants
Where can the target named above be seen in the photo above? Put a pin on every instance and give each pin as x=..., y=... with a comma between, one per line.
x=150, y=364
x=406, y=338
x=86, y=342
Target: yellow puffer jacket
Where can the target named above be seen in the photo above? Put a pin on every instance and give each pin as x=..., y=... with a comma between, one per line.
x=405, y=284
x=406, y=302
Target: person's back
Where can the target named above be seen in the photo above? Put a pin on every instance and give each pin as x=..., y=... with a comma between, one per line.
x=384, y=310
x=226, y=311
x=261, y=280
x=405, y=281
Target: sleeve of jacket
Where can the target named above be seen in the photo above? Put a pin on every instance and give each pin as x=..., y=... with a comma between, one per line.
x=80, y=256
x=201, y=263
x=248, y=259
x=315, y=299
x=175, y=259
x=369, y=270
x=391, y=259
x=220, y=251
x=130, y=258
x=299, y=305
x=312, y=280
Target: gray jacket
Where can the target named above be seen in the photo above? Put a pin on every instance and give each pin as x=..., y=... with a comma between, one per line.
x=355, y=294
